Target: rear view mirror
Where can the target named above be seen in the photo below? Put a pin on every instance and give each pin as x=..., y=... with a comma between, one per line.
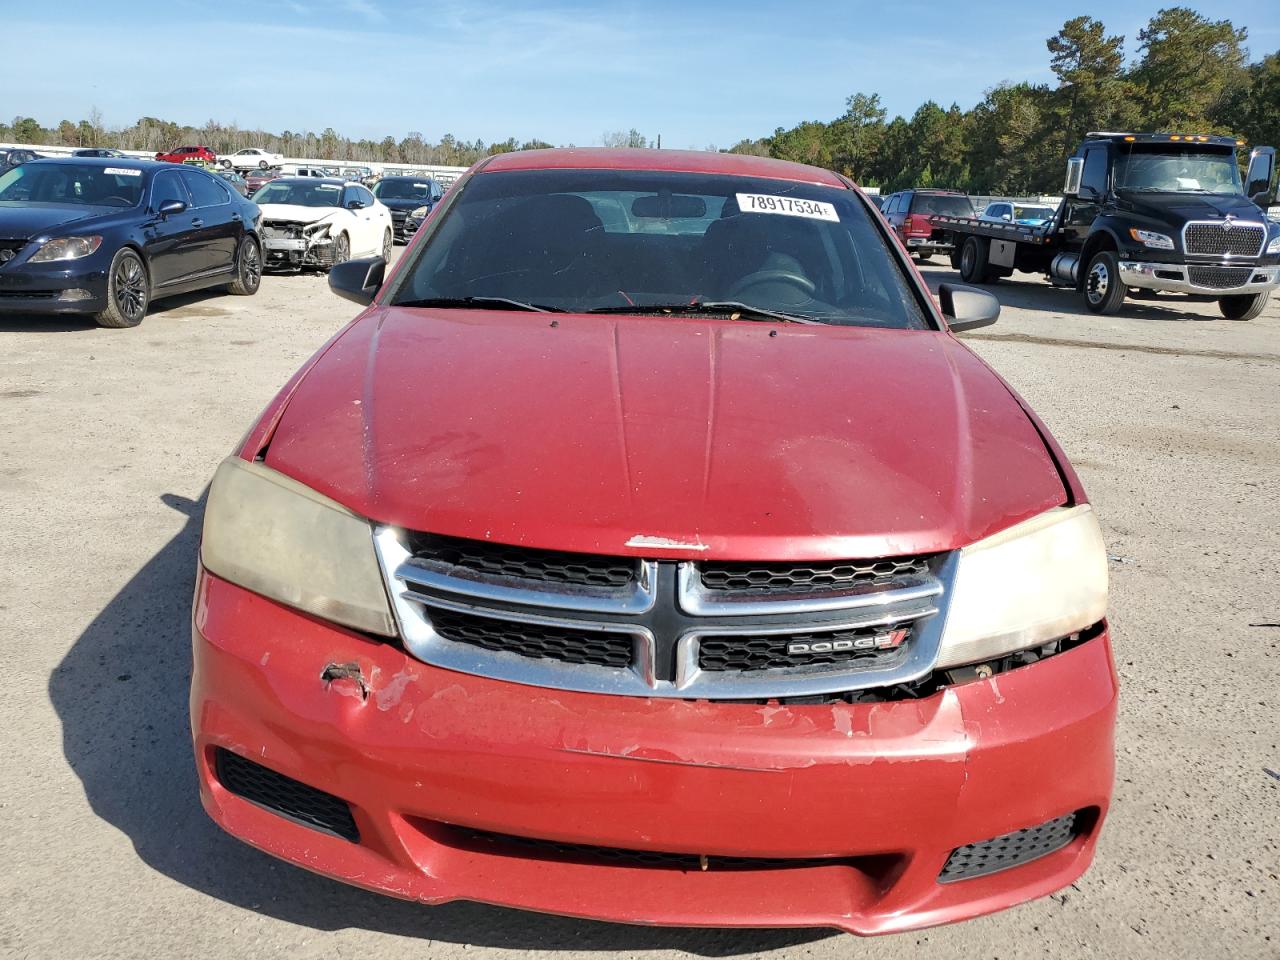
x=967, y=308
x=358, y=280
x=668, y=206
x=1075, y=171
x=1262, y=168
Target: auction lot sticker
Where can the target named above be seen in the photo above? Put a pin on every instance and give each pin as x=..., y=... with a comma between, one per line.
x=787, y=206
x=122, y=172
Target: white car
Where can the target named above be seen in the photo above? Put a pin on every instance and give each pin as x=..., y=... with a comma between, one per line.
x=250, y=158
x=309, y=222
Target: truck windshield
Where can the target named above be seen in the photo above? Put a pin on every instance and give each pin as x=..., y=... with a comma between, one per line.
x=617, y=240
x=1155, y=168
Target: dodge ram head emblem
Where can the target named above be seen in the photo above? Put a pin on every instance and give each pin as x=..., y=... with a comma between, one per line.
x=880, y=641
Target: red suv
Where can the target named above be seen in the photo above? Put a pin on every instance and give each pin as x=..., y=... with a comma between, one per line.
x=648, y=549
x=188, y=155
x=911, y=214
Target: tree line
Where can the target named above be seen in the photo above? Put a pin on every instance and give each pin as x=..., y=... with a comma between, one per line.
x=1189, y=74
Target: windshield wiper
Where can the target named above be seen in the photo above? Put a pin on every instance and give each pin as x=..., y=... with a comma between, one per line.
x=478, y=303
x=731, y=308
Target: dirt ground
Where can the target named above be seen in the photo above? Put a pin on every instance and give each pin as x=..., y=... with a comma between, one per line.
x=1170, y=413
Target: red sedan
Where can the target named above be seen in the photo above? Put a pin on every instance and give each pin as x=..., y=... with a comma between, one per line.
x=187, y=155
x=650, y=550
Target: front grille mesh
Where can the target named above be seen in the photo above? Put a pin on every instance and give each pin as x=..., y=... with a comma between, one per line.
x=1219, y=278
x=537, y=641
x=1009, y=850
x=767, y=652
x=806, y=577
x=285, y=796
x=524, y=563
x=1211, y=239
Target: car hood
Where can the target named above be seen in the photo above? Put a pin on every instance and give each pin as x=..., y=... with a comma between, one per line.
x=1177, y=209
x=396, y=204
x=665, y=437
x=294, y=213
x=33, y=219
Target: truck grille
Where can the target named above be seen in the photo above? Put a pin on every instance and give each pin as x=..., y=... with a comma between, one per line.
x=1219, y=278
x=1215, y=239
x=666, y=628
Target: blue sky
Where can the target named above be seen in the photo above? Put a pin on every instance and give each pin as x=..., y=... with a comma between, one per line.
x=699, y=73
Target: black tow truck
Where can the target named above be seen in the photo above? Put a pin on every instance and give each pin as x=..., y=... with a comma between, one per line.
x=1143, y=215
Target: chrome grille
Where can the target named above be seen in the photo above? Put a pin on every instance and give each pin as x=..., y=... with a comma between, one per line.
x=622, y=625
x=1215, y=238
x=1219, y=278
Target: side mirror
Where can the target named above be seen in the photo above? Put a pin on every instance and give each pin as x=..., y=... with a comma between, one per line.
x=171, y=208
x=967, y=308
x=355, y=205
x=1262, y=167
x=1075, y=171
x=359, y=280
x=1006, y=216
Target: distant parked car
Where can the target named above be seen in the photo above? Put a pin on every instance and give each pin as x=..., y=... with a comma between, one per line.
x=308, y=222
x=188, y=154
x=102, y=152
x=105, y=237
x=256, y=179
x=11, y=158
x=318, y=172
x=236, y=182
x=1023, y=214
x=406, y=195
x=910, y=214
x=877, y=201
x=250, y=158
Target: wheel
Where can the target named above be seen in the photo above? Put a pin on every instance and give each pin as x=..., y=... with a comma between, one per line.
x=341, y=249
x=226, y=164
x=248, y=269
x=388, y=241
x=1243, y=306
x=924, y=257
x=262, y=164
x=973, y=260
x=128, y=291
x=1104, y=291
x=954, y=256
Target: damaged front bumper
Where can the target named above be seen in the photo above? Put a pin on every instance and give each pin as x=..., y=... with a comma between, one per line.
x=297, y=245
x=642, y=810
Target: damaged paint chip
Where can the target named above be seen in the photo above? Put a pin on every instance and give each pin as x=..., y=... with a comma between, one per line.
x=346, y=679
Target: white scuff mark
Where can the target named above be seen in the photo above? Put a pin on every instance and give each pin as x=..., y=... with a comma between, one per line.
x=390, y=695
x=265, y=657
x=663, y=543
x=995, y=689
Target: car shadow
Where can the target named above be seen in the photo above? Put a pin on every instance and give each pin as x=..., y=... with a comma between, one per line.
x=70, y=322
x=1028, y=291
x=121, y=696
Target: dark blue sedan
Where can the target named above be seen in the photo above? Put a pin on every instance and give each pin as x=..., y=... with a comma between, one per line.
x=105, y=237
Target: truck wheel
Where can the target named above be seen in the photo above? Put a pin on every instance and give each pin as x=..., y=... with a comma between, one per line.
x=924, y=258
x=128, y=291
x=1104, y=291
x=1244, y=306
x=955, y=257
x=973, y=260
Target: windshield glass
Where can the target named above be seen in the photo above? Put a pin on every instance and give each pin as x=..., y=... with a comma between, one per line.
x=1021, y=212
x=583, y=240
x=946, y=204
x=95, y=185
x=1165, y=169
x=402, y=190
x=300, y=193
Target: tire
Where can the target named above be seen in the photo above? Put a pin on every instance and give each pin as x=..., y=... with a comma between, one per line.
x=248, y=269
x=924, y=258
x=226, y=164
x=973, y=261
x=388, y=243
x=1243, y=306
x=128, y=291
x=954, y=257
x=341, y=250
x=1104, y=291
x=262, y=164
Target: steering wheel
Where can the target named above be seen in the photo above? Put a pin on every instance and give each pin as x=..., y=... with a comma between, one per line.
x=797, y=280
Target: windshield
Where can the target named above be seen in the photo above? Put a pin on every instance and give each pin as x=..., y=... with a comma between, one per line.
x=300, y=194
x=1021, y=212
x=1160, y=168
x=615, y=240
x=88, y=184
x=402, y=190
x=946, y=204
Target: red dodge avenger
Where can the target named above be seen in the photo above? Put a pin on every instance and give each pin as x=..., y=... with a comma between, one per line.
x=650, y=550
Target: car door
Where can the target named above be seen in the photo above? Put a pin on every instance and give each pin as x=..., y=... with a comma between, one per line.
x=216, y=223
x=170, y=258
x=361, y=215
x=1080, y=211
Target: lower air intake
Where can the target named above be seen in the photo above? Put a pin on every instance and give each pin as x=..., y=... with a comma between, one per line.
x=285, y=796
x=1010, y=850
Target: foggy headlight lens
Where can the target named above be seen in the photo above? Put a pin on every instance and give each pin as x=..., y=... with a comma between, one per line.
x=1039, y=580
x=420, y=213
x=66, y=248
x=274, y=536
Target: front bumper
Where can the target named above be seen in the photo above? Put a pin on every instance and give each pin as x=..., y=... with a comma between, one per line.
x=76, y=286
x=1211, y=280
x=886, y=790
x=929, y=245
x=297, y=252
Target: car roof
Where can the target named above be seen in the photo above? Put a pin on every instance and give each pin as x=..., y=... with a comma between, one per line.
x=111, y=162
x=335, y=180
x=674, y=161
x=407, y=176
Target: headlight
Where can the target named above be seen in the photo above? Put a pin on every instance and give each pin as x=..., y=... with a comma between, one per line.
x=1148, y=238
x=1274, y=245
x=66, y=248
x=316, y=229
x=420, y=213
x=1039, y=580
x=274, y=536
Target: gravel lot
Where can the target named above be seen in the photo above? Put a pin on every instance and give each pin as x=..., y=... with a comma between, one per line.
x=1170, y=414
